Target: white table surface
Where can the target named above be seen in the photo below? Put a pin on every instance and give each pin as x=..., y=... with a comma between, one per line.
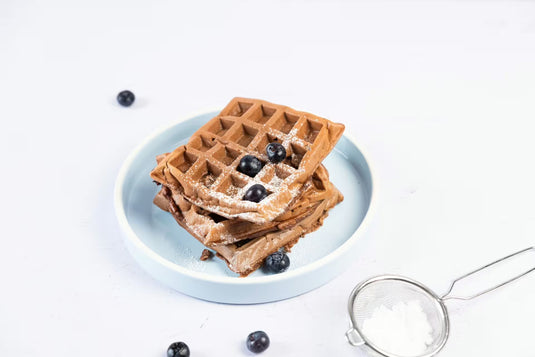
x=441, y=94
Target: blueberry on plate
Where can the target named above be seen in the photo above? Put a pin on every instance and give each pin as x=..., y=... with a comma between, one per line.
x=277, y=262
x=250, y=165
x=255, y=193
x=257, y=341
x=178, y=349
x=275, y=152
x=126, y=98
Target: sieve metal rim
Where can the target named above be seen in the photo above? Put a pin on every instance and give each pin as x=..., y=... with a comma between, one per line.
x=437, y=299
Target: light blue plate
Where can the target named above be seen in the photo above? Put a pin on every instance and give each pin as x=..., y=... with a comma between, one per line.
x=171, y=255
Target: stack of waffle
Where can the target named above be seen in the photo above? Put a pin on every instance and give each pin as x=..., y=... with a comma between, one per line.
x=203, y=190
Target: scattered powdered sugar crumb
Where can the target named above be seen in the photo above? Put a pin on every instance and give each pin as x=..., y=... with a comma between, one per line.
x=403, y=329
x=188, y=259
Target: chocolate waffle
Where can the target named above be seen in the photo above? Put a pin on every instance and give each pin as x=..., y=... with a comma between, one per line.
x=205, y=171
x=211, y=229
x=247, y=255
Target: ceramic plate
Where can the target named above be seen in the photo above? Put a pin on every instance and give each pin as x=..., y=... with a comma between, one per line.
x=171, y=255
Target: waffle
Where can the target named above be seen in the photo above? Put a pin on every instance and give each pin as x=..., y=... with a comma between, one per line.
x=205, y=172
x=211, y=229
x=245, y=256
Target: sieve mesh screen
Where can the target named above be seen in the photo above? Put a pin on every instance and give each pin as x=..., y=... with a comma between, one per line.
x=399, y=318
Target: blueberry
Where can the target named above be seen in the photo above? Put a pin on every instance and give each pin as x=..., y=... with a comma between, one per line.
x=126, y=98
x=275, y=152
x=250, y=165
x=178, y=349
x=255, y=193
x=257, y=341
x=277, y=262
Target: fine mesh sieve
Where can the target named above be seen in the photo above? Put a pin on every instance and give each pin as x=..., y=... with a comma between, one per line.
x=379, y=308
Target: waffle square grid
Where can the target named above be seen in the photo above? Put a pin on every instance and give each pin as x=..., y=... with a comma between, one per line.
x=205, y=169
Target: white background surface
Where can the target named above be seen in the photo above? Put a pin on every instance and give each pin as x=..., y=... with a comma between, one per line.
x=441, y=94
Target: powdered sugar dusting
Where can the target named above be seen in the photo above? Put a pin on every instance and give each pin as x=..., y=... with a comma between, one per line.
x=190, y=259
x=276, y=181
x=233, y=191
x=403, y=329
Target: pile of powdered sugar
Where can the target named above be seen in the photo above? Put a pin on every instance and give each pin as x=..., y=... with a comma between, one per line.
x=403, y=329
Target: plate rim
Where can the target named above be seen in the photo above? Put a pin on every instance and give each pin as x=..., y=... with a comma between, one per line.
x=131, y=235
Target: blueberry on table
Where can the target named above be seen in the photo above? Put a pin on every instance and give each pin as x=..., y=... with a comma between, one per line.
x=255, y=193
x=178, y=349
x=277, y=262
x=250, y=165
x=275, y=152
x=126, y=98
x=257, y=341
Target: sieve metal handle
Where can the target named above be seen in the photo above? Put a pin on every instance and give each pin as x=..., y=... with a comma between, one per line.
x=447, y=296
